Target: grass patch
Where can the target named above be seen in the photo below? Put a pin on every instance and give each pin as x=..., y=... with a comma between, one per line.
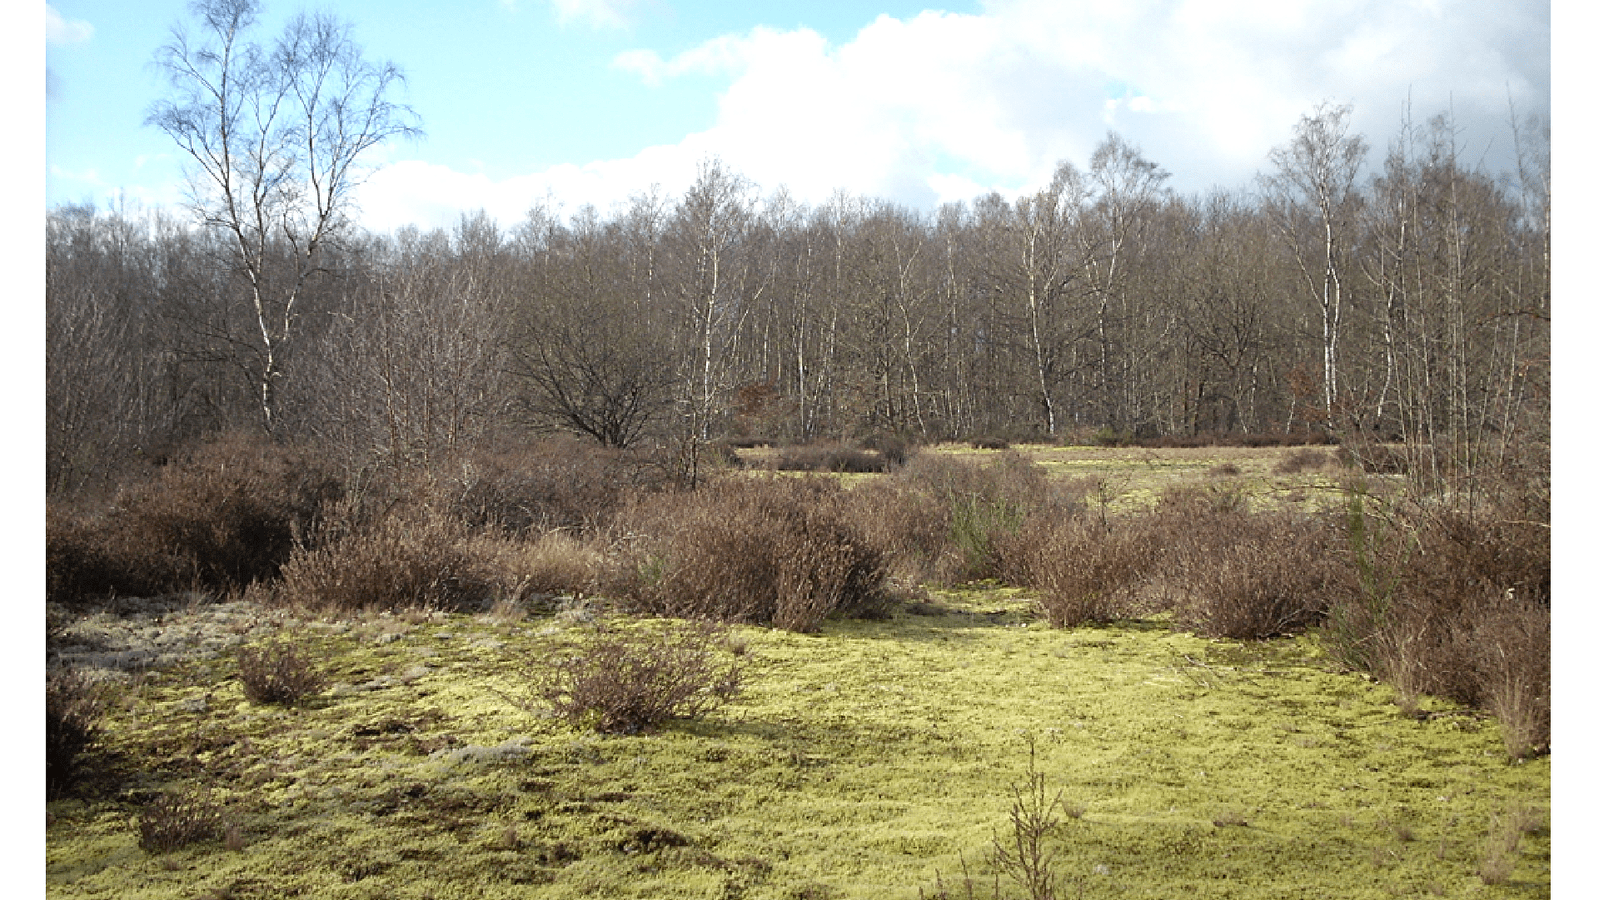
x=867, y=760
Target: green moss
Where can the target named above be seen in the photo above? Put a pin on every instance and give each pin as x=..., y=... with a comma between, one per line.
x=862, y=762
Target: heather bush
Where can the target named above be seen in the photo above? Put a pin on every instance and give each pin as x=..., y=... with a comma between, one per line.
x=1510, y=654
x=1199, y=552
x=895, y=450
x=88, y=556
x=777, y=551
x=279, y=672
x=1270, y=573
x=228, y=514
x=542, y=566
x=1375, y=459
x=73, y=706
x=547, y=485
x=1302, y=460
x=1009, y=476
x=1453, y=601
x=975, y=526
x=1085, y=570
x=910, y=529
x=629, y=679
x=1108, y=436
x=409, y=558
x=178, y=819
x=1254, y=439
x=832, y=458
x=978, y=506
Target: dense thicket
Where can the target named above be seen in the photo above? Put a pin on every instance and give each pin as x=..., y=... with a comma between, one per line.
x=1409, y=303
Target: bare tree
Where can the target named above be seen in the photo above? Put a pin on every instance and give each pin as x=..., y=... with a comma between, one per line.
x=109, y=399
x=1125, y=192
x=274, y=137
x=586, y=344
x=717, y=284
x=411, y=370
x=1031, y=261
x=1312, y=197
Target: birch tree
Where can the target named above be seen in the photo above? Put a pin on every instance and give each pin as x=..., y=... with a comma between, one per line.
x=1312, y=198
x=274, y=137
x=1125, y=191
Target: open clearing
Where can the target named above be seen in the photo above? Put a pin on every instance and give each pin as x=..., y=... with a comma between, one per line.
x=867, y=761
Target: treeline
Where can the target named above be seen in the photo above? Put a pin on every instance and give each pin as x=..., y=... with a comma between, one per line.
x=1408, y=304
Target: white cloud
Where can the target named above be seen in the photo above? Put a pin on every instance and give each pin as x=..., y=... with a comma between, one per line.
x=947, y=106
x=427, y=195
x=90, y=176
x=60, y=31
x=646, y=64
x=594, y=13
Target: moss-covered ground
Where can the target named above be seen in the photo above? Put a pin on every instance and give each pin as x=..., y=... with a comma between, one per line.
x=1131, y=478
x=870, y=760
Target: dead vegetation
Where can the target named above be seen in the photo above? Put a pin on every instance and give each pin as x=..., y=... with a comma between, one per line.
x=1443, y=594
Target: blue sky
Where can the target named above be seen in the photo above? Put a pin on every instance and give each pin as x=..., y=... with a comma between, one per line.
x=589, y=101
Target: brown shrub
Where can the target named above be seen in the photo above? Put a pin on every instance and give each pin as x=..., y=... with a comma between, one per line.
x=1272, y=573
x=977, y=506
x=1238, y=439
x=895, y=450
x=1085, y=570
x=1222, y=569
x=542, y=566
x=1304, y=459
x=87, y=556
x=547, y=485
x=1510, y=652
x=624, y=680
x=1487, y=550
x=1454, y=602
x=408, y=559
x=278, y=672
x=178, y=819
x=908, y=527
x=1374, y=458
x=228, y=514
x=73, y=706
x=832, y=458
x=777, y=551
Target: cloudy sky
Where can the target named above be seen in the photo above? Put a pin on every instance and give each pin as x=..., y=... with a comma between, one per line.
x=589, y=101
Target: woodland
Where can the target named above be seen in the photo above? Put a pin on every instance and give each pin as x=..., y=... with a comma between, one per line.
x=1405, y=299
